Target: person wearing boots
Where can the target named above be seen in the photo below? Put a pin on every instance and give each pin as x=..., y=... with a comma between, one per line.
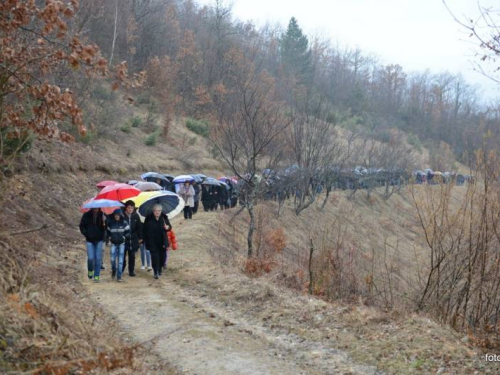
x=132, y=244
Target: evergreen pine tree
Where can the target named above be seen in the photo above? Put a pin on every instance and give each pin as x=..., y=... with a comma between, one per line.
x=295, y=53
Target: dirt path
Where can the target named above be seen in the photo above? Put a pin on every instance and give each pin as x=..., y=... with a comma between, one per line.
x=185, y=324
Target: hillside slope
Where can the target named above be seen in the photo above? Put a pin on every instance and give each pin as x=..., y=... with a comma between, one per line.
x=202, y=295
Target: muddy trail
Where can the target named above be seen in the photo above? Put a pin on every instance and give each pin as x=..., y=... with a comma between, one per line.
x=182, y=318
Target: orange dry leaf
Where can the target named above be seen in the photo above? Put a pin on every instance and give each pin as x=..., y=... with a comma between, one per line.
x=30, y=309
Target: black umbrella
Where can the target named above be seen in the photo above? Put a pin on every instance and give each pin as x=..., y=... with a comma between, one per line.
x=211, y=181
x=170, y=202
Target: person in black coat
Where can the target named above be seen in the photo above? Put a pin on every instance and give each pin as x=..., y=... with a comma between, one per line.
x=93, y=227
x=205, y=197
x=197, y=193
x=132, y=245
x=222, y=197
x=155, y=237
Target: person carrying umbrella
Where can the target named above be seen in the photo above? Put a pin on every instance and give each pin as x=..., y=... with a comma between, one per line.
x=197, y=191
x=187, y=193
x=205, y=197
x=132, y=244
x=92, y=226
x=155, y=237
x=118, y=233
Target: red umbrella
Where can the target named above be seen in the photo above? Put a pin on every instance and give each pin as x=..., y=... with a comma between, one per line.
x=118, y=192
x=105, y=183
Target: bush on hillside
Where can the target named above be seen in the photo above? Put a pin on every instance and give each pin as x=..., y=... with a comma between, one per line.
x=152, y=139
x=135, y=121
x=126, y=128
x=200, y=127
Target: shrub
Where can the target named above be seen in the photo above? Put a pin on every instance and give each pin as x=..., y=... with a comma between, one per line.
x=151, y=139
x=87, y=138
x=192, y=141
x=200, y=127
x=135, y=121
x=126, y=128
x=19, y=144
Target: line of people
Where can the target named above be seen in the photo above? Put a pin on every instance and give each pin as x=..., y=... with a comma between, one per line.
x=125, y=233
x=213, y=197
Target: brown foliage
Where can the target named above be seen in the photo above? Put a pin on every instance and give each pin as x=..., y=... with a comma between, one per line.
x=461, y=284
x=36, y=47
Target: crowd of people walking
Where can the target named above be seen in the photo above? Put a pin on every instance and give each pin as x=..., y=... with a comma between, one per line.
x=119, y=222
x=125, y=232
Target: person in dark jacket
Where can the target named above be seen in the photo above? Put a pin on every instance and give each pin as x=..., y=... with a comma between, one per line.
x=155, y=237
x=132, y=244
x=93, y=227
x=222, y=197
x=118, y=233
x=214, y=197
x=197, y=193
x=205, y=197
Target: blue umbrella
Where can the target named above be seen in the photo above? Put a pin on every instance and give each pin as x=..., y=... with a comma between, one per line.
x=183, y=178
x=102, y=203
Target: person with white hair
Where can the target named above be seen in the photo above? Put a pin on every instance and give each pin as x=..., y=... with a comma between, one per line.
x=156, y=226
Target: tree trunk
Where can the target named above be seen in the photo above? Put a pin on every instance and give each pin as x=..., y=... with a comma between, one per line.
x=326, y=199
x=311, y=275
x=114, y=35
x=251, y=229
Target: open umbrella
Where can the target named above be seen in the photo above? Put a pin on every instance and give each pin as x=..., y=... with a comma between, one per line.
x=133, y=182
x=153, y=176
x=200, y=175
x=148, y=186
x=232, y=179
x=197, y=179
x=171, y=203
x=105, y=183
x=107, y=210
x=224, y=184
x=102, y=203
x=118, y=192
x=183, y=178
x=211, y=181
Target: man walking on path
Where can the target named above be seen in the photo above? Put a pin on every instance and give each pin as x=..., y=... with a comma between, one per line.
x=132, y=244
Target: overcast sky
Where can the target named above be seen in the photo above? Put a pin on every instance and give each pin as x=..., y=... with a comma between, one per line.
x=417, y=34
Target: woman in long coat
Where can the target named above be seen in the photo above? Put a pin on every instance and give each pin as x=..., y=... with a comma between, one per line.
x=155, y=237
x=186, y=192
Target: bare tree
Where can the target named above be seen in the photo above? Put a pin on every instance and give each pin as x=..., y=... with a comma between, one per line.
x=250, y=120
x=316, y=147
